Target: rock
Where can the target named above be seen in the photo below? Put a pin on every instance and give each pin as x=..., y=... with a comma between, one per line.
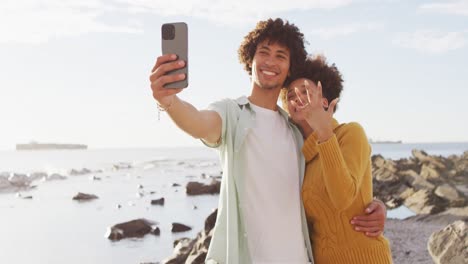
x=424, y=202
x=429, y=173
x=384, y=170
x=4, y=182
x=423, y=157
x=177, y=227
x=159, y=201
x=175, y=185
x=122, y=166
x=450, y=194
x=193, y=251
x=196, y=188
x=182, y=248
x=95, y=178
x=29, y=197
x=37, y=176
x=135, y=228
x=450, y=245
x=140, y=194
x=83, y=171
x=54, y=177
x=19, y=180
x=118, y=206
x=140, y=186
x=210, y=221
x=416, y=180
x=84, y=197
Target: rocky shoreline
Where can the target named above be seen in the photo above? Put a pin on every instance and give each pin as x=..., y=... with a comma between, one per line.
x=434, y=187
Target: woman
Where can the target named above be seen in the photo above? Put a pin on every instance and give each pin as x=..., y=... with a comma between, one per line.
x=338, y=180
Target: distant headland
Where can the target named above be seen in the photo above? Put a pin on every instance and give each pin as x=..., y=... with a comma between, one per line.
x=385, y=141
x=48, y=146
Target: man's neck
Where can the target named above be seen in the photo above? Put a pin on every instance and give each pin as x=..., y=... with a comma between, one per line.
x=266, y=98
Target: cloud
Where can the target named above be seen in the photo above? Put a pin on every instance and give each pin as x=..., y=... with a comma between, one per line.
x=431, y=41
x=453, y=7
x=228, y=11
x=345, y=30
x=37, y=21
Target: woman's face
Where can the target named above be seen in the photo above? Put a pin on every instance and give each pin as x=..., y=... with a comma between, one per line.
x=300, y=84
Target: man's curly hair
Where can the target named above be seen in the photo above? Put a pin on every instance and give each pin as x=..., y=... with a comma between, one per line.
x=317, y=69
x=275, y=31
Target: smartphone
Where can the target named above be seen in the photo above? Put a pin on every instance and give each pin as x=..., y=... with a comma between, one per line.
x=175, y=41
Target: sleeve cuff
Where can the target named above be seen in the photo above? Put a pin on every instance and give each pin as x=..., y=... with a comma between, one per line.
x=330, y=153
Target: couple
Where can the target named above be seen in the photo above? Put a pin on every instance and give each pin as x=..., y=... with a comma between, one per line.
x=282, y=198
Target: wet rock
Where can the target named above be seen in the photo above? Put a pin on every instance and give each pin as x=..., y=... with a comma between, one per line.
x=84, y=197
x=450, y=245
x=159, y=201
x=193, y=251
x=197, y=188
x=135, y=228
x=177, y=227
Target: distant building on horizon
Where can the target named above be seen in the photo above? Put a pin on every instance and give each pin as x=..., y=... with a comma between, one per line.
x=33, y=145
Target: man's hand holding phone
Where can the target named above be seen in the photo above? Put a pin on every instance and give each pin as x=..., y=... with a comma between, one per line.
x=158, y=78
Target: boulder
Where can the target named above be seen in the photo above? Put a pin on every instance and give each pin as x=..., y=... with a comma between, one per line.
x=19, y=180
x=159, y=201
x=37, y=176
x=84, y=197
x=193, y=251
x=424, y=202
x=450, y=245
x=83, y=171
x=177, y=227
x=197, y=188
x=450, y=194
x=4, y=182
x=55, y=176
x=423, y=157
x=135, y=228
x=428, y=172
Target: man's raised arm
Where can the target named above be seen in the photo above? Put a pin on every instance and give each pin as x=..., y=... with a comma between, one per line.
x=204, y=124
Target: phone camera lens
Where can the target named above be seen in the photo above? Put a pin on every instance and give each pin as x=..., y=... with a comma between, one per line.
x=168, y=32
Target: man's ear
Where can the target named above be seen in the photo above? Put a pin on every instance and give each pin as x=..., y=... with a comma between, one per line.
x=324, y=102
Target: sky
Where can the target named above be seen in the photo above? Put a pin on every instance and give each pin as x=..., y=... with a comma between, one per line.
x=77, y=71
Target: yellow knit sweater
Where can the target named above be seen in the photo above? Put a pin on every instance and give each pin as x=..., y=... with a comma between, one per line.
x=338, y=186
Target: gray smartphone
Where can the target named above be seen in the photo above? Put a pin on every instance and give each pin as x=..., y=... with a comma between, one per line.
x=175, y=41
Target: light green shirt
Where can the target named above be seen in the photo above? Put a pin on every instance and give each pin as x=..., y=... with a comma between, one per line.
x=229, y=243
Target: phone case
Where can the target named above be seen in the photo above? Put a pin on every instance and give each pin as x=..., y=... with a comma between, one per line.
x=176, y=45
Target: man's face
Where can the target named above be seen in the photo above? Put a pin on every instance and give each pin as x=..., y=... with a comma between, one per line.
x=270, y=65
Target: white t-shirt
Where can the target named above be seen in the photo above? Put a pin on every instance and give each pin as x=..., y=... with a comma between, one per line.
x=271, y=202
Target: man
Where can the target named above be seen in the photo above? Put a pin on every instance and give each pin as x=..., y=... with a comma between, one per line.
x=260, y=215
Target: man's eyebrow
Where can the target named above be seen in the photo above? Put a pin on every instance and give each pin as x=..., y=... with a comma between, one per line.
x=265, y=47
